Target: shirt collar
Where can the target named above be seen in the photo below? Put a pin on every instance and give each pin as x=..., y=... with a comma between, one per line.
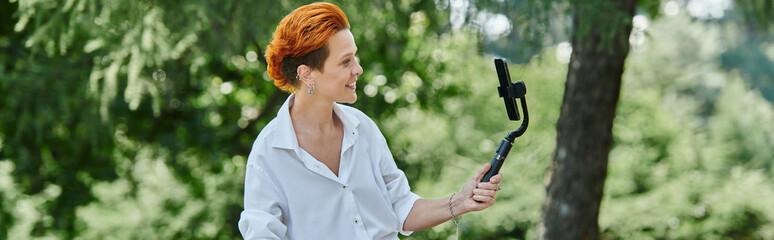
x=287, y=135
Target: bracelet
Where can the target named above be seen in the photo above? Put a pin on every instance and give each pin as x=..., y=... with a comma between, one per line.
x=450, y=207
x=453, y=218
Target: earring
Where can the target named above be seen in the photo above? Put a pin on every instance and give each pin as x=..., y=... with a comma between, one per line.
x=310, y=89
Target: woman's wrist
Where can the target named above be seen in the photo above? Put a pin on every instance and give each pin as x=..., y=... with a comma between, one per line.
x=452, y=204
x=456, y=205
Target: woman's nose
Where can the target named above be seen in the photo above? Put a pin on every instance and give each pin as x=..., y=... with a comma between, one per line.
x=358, y=69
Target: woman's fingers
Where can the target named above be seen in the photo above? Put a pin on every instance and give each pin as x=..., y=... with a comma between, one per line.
x=494, y=185
x=481, y=172
x=489, y=186
x=496, y=178
x=484, y=192
x=484, y=199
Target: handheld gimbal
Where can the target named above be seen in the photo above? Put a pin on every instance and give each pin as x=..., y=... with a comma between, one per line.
x=509, y=91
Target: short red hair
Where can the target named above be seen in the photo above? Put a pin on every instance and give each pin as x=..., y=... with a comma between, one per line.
x=301, y=38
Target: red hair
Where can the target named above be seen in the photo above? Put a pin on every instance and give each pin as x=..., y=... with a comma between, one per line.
x=301, y=38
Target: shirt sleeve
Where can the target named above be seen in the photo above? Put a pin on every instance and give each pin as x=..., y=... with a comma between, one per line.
x=261, y=218
x=397, y=186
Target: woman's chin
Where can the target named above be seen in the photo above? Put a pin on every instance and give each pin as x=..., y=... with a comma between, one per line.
x=350, y=99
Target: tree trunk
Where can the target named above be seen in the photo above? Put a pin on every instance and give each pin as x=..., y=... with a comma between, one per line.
x=584, y=129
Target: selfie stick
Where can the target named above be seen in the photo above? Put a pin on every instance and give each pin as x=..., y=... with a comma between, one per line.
x=509, y=91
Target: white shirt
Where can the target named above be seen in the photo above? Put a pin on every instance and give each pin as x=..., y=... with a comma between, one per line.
x=290, y=194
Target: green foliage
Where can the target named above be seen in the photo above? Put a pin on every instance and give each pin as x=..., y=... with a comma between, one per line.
x=757, y=14
x=132, y=120
x=693, y=148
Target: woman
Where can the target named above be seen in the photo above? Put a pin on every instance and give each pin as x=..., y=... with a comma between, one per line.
x=321, y=170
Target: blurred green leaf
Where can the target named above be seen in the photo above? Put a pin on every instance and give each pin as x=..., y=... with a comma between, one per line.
x=124, y=120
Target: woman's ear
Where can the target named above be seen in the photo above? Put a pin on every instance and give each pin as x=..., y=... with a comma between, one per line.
x=304, y=74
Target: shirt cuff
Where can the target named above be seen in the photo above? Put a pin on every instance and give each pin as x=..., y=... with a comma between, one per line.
x=404, y=211
x=260, y=225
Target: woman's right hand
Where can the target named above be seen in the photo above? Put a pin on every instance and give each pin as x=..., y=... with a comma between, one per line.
x=477, y=195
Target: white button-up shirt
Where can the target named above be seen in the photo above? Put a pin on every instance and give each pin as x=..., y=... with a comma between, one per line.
x=290, y=194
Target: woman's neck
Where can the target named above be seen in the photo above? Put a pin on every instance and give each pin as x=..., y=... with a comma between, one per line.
x=310, y=114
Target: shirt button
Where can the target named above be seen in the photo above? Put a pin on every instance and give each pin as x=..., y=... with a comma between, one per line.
x=344, y=187
x=356, y=221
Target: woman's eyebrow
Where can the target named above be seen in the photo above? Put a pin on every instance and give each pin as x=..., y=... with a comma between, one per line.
x=346, y=55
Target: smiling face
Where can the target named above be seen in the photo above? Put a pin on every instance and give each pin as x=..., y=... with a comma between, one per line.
x=336, y=81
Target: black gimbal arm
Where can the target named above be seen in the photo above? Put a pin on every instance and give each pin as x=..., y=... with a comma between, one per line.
x=517, y=90
x=510, y=91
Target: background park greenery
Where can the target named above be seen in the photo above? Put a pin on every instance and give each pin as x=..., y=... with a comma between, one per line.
x=133, y=120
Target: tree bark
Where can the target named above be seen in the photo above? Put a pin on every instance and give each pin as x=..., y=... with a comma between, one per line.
x=576, y=179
